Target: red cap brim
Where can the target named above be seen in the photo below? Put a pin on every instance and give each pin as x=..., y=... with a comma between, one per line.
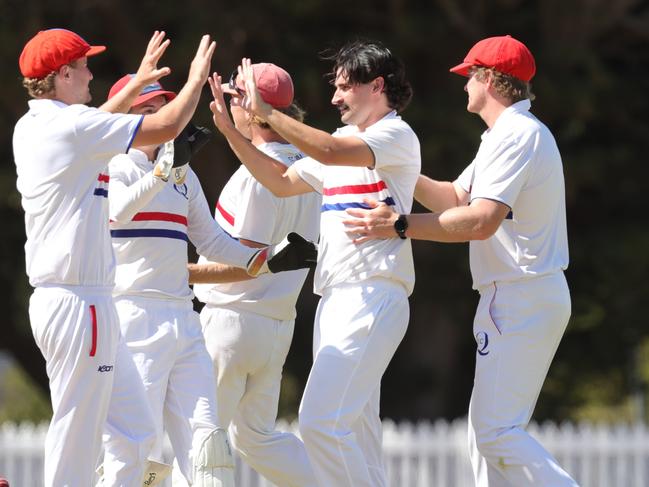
x=462, y=69
x=94, y=50
x=169, y=95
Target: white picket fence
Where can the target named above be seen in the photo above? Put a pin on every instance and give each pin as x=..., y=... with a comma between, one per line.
x=421, y=455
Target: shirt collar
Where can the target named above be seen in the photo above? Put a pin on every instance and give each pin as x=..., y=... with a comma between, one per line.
x=518, y=107
x=390, y=114
x=44, y=104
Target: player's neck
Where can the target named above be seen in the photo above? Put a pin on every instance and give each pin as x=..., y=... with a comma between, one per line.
x=491, y=111
x=264, y=136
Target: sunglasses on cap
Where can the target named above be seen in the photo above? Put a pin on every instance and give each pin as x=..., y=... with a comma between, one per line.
x=232, y=83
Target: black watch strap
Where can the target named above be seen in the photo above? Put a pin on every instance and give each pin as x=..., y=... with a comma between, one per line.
x=400, y=226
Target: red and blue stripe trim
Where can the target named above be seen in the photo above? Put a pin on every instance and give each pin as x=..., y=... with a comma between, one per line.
x=149, y=232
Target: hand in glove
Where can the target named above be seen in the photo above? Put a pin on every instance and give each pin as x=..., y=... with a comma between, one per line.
x=175, y=155
x=189, y=142
x=294, y=252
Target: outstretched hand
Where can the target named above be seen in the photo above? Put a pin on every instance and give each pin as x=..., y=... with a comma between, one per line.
x=253, y=102
x=218, y=106
x=200, y=67
x=148, y=72
x=377, y=221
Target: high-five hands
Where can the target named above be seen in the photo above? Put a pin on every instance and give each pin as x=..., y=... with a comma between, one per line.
x=253, y=102
x=148, y=72
x=218, y=107
x=200, y=67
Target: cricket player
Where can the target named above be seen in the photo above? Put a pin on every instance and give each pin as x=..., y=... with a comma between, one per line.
x=61, y=150
x=510, y=204
x=363, y=313
x=152, y=219
x=248, y=325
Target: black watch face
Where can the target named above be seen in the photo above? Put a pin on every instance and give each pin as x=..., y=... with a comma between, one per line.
x=401, y=225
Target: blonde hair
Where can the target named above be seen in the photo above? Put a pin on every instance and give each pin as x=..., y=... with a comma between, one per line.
x=40, y=87
x=505, y=85
x=44, y=87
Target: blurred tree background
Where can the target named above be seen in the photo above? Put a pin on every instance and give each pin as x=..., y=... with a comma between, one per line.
x=592, y=91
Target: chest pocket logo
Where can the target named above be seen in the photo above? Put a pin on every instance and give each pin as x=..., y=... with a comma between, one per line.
x=182, y=190
x=482, y=340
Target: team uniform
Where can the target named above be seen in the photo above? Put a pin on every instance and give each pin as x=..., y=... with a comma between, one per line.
x=363, y=313
x=62, y=153
x=248, y=325
x=524, y=299
x=151, y=223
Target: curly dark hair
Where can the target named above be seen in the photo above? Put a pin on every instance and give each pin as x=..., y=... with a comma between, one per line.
x=363, y=61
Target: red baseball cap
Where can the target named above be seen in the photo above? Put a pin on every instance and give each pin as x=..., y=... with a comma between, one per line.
x=50, y=49
x=148, y=92
x=274, y=84
x=502, y=53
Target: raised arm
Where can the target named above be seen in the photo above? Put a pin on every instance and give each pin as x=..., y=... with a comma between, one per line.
x=279, y=179
x=128, y=198
x=168, y=122
x=321, y=146
x=147, y=73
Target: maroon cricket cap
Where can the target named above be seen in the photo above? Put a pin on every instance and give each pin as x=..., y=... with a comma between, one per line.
x=148, y=92
x=50, y=49
x=502, y=53
x=274, y=84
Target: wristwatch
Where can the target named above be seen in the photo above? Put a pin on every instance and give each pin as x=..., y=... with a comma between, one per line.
x=400, y=226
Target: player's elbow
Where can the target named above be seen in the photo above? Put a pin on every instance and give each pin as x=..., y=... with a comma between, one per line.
x=281, y=191
x=157, y=129
x=484, y=229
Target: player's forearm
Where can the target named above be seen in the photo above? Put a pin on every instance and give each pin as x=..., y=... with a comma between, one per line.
x=264, y=168
x=214, y=244
x=167, y=123
x=215, y=273
x=434, y=195
x=126, y=201
x=459, y=224
x=315, y=143
x=122, y=101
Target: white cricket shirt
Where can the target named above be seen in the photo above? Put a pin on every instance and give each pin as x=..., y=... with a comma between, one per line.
x=392, y=180
x=61, y=153
x=151, y=223
x=246, y=209
x=518, y=164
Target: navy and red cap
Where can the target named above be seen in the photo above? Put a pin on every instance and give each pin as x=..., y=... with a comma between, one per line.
x=148, y=92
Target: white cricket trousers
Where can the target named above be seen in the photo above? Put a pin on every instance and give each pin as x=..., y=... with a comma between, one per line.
x=518, y=326
x=248, y=351
x=77, y=331
x=165, y=340
x=358, y=327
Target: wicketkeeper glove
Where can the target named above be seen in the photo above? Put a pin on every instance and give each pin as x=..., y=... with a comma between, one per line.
x=175, y=155
x=189, y=142
x=294, y=252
